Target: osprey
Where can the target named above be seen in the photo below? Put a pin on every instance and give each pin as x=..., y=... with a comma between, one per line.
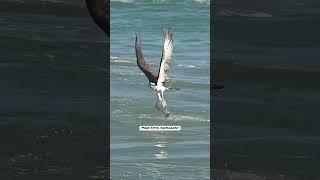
x=159, y=82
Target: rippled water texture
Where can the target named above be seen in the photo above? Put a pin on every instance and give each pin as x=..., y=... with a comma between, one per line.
x=158, y=155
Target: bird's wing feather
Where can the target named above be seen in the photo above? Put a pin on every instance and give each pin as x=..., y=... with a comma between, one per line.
x=166, y=58
x=144, y=67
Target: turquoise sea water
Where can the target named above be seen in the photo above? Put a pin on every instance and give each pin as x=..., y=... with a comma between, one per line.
x=160, y=155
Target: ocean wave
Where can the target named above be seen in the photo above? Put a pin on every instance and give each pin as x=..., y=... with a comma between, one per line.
x=123, y=1
x=131, y=62
x=186, y=65
x=114, y=57
x=191, y=118
x=202, y=1
x=243, y=13
x=173, y=118
x=122, y=61
x=206, y=2
x=180, y=118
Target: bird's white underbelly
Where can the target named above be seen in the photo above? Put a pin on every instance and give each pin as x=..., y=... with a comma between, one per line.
x=158, y=88
x=161, y=88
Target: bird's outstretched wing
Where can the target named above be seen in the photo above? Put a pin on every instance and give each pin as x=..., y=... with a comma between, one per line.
x=144, y=67
x=166, y=58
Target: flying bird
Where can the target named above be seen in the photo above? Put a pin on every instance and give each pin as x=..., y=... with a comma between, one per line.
x=159, y=82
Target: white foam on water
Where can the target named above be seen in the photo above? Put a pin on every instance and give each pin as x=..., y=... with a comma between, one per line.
x=186, y=65
x=202, y=1
x=207, y=2
x=114, y=57
x=122, y=61
x=189, y=118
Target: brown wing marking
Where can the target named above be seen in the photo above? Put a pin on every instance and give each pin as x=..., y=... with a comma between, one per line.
x=144, y=67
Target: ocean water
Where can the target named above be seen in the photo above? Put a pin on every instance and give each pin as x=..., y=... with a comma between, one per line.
x=160, y=155
x=52, y=113
x=266, y=118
